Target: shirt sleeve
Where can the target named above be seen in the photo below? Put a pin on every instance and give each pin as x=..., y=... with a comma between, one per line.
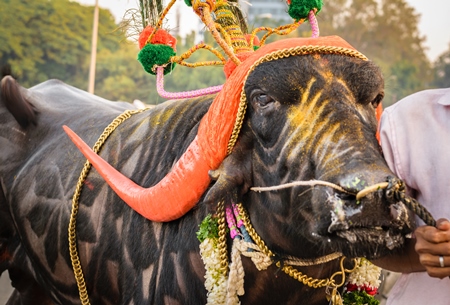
x=388, y=143
x=390, y=136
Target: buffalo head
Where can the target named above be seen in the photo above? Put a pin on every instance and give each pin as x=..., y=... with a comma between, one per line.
x=314, y=132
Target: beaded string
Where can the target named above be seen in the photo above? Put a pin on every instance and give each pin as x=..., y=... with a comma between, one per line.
x=236, y=224
x=231, y=221
x=183, y=94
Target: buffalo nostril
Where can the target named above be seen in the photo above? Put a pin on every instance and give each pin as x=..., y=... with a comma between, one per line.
x=346, y=196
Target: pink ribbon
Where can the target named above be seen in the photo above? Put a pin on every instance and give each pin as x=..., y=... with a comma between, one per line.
x=313, y=23
x=180, y=95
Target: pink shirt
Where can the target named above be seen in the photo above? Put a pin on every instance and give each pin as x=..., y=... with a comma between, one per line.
x=415, y=136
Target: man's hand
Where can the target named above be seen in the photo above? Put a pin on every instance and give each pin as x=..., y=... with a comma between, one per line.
x=432, y=244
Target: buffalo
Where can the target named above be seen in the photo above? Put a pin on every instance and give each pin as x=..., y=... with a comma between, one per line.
x=309, y=117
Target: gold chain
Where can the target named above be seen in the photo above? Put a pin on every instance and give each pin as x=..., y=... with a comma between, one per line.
x=222, y=244
x=74, y=257
x=291, y=271
x=300, y=50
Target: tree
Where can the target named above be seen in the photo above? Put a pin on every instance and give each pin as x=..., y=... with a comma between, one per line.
x=51, y=39
x=441, y=70
x=386, y=32
x=44, y=39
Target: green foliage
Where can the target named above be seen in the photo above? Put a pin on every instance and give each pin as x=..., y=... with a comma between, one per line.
x=359, y=298
x=209, y=228
x=51, y=39
x=386, y=32
x=44, y=39
x=441, y=70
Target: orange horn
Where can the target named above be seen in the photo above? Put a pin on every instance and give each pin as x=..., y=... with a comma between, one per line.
x=171, y=198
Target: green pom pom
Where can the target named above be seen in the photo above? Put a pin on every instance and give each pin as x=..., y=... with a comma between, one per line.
x=188, y=3
x=359, y=298
x=299, y=9
x=156, y=54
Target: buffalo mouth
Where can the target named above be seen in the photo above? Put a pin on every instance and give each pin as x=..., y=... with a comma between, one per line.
x=372, y=233
x=370, y=242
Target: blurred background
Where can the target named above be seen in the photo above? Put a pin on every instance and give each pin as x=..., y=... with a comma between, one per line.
x=45, y=39
x=42, y=39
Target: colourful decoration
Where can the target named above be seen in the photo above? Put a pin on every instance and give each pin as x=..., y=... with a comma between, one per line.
x=225, y=285
x=226, y=28
x=180, y=95
x=362, y=284
x=215, y=278
x=359, y=298
x=157, y=49
x=299, y=9
x=159, y=37
x=153, y=55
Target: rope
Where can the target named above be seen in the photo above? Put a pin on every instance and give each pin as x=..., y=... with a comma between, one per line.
x=186, y=55
x=73, y=250
x=261, y=260
x=371, y=189
x=299, y=183
x=235, y=285
x=289, y=270
x=395, y=189
x=180, y=95
x=313, y=22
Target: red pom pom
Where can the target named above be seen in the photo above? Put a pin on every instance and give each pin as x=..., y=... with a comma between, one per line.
x=160, y=37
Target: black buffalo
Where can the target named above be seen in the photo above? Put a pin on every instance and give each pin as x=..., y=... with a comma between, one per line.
x=308, y=117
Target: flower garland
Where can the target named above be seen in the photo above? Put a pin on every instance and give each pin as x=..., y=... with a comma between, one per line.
x=362, y=284
x=223, y=288
x=216, y=278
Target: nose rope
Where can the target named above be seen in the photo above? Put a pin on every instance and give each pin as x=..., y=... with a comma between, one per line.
x=299, y=183
x=371, y=189
x=395, y=189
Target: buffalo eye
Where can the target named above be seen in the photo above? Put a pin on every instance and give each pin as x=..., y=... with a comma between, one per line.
x=377, y=100
x=262, y=100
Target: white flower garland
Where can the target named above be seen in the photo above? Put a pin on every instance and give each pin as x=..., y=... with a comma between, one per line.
x=216, y=280
x=365, y=274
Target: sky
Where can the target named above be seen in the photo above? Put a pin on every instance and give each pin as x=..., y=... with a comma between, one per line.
x=434, y=21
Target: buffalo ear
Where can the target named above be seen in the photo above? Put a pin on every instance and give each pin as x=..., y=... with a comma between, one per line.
x=16, y=101
x=224, y=186
x=232, y=178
